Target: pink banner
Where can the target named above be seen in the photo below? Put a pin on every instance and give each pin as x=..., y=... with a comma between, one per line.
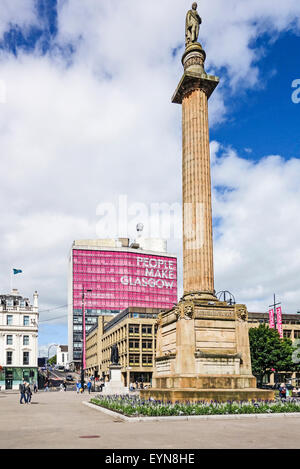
x=271, y=319
x=279, y=321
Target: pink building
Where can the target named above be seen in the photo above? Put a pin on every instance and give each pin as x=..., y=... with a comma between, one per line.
x=114, y=276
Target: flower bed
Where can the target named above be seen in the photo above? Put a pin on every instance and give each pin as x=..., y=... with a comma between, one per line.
x=133, y=406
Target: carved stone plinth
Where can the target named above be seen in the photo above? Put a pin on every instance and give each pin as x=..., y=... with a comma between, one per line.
x=115, y=384
x=202, y=349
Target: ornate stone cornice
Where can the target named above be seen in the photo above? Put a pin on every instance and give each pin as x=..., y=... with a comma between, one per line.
x=191, y=82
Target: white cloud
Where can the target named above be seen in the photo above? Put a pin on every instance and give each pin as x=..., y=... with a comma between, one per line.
x=17, y=12
x=73, y=136
x=257, y=239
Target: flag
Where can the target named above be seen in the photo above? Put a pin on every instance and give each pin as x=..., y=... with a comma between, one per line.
x=271, y=319
x=17, y=271
x=279, y=321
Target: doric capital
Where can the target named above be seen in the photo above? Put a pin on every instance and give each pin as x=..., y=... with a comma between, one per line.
x=191, y=81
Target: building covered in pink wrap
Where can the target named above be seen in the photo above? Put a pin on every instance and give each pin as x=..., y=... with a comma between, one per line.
x=108, y=276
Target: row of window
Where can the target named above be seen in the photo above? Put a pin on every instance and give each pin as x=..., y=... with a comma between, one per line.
x=288, y=333
x=10, y=303
x=135, y=329
x=9, y=340
x=9, y=358
x=146, y=344
x=135, y=359
x=9, y=320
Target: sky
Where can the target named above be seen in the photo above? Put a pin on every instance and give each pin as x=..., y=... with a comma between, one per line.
x=86, y=117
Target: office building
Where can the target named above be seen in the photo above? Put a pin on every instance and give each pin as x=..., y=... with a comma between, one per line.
x=18, y=340
x=107, y=276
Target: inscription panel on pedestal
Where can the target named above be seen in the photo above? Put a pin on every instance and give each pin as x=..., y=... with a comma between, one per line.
x=214, y=314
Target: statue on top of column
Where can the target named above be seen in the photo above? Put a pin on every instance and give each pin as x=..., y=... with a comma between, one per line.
x=192, y=25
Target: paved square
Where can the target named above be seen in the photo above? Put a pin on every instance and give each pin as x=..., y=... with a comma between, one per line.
x=59, y=420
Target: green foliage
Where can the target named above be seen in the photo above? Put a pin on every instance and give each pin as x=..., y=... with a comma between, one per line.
x=52, y=360
x=133, y=406
x=269, y=351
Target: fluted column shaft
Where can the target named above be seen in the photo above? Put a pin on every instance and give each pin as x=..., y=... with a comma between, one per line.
x=198, y=272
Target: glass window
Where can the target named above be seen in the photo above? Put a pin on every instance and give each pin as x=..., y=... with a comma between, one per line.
x=147, y=359
x=9, y=340
x=147, y=330
x=25, y=358
x=26, y=321
x=9, y=358
x=9, y=319
x=297, y=334
x=26, y=340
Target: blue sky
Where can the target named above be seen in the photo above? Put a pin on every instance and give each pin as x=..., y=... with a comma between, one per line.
x=265, y=119
x=68, y=76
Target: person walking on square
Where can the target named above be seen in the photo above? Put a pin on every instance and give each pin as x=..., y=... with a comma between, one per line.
x=22, y=389
x=35, y=388
x=89, y=385
x=28, y=393
x=78, y=386
x=282, y=391
x=65, y=386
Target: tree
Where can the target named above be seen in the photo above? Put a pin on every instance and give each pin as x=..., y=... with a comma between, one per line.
x=269, y=352
x=52, y=360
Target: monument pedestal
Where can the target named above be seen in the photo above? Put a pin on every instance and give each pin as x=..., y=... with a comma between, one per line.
x=203, y=353
x=115, y=384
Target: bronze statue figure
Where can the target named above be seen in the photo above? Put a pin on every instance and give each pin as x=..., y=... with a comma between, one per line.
x=114, y=357
x=192, y=25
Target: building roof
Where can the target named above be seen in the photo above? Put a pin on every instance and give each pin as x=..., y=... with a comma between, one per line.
x=63, y=348
x=119, y=317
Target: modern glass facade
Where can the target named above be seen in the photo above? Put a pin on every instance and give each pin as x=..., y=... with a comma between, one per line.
x=12, y=377
x=122, y=279
x=118, y=279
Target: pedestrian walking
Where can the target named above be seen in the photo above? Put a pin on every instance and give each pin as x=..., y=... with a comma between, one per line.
x=35, y=388
x=46, y=386
x=78, y=386
x=65, y=386
x=22, y=389
x=89, y=385
x=282, y=391
x=28, y=393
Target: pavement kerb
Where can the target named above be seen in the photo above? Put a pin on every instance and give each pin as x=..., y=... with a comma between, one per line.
x=116, y=415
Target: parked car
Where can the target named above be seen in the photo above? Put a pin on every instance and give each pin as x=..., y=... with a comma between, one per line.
x=69, y=378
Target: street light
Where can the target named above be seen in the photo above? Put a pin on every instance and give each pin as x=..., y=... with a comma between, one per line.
x=47, y=370
x=83, y=363
x=52, y=345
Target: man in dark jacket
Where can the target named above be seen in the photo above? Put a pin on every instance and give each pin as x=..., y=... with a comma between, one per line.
x=22, y=389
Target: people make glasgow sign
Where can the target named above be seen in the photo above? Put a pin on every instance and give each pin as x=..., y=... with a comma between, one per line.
x=157, y=273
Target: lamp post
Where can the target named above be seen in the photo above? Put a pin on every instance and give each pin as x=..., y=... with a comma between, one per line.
x=83, y=363
x=47, y=370
x=52, y=345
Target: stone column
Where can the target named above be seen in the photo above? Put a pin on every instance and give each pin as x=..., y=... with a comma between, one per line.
x=193, y=92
